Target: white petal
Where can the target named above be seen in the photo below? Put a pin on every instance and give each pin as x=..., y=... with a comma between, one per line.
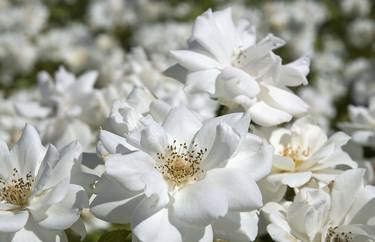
x=33, y=232
x=113, y=143
x=113, y=203
x=194, y=61
x=64, y=214
x=5, y=161
x=279, y=139
x=207, y=34
x=239, y=227
x=28, y=152
x=199, y=203
x=12, y=221
x=278, y=234
x=84, y=84
x=265, y=115
x=283, y=100
x=224, y=23
x=42, y=199
x=154, y=139
x=181, y=124
x=177, y=72
x=345, y=189
x=261, y=49
x=157, y=228
x=229, y=188
x=283, y=163
x=254, y=156
x=233, y=82
x=190, y=232
x=201, y=81
x=294, y=73
x=247, y=34
x=224, y=146
x=363, y=208
x=238, y=188
x=32, y=110
x=159, y=110
x=296, y=179
x=130, y=168
x=206, y=135
x=58, y=166
x=155, y=185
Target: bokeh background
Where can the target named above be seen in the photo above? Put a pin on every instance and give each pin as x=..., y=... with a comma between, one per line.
x=119, y=37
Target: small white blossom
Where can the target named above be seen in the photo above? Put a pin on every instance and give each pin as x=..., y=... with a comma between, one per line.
x=37, y=199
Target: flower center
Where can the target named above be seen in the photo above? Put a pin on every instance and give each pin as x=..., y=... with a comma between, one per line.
x=335, y=236
x=16, y=190
x=297, y=155
x=180, y=165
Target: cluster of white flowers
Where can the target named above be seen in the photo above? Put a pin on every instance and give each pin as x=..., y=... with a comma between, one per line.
x=201, y=133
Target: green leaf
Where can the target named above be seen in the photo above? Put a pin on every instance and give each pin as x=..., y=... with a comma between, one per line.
x=115, y=236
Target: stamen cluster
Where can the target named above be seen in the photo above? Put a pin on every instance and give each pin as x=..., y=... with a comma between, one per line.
x=16, y=190
x=180, y=164
x=296, y=155
x=334, y=236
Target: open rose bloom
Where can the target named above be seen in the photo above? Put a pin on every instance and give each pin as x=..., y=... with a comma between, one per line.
x=343, y=213
x=187, y=121
x=37, y=200
x=185, y=179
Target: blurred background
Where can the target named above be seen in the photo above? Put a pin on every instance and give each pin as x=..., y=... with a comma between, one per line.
x=129, y=39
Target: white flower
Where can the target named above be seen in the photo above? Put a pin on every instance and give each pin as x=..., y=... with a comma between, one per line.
x=66, y=94
x=182, y=177
x=304, y=153
x=225, y=60
x=321, y=105
x=344, y=213
x=362, y=124
x=37, y=200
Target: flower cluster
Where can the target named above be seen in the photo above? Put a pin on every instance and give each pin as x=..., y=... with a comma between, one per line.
x=204, y=134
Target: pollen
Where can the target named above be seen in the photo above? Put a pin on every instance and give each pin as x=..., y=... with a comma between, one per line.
x=180, y=164
x=297, y=155
x=16, y=189
x=335, y=236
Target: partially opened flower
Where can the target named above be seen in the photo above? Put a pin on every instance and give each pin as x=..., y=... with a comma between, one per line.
x=344, y=213
x=37, y=200
x=362, y=124
x=184, y=178
x=304, y=153
x=226, y=61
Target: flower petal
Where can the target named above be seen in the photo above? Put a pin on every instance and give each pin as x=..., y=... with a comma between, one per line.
x=113, y=203
x=113, y=143
x=64, y=214
x=130, y=168
x=265, y=115
x=28, y=152
x=154, y=139
x=156, y=228
x=12, y=221
x=345, y=189
x=254, y=156
x=283, y=100
x=229, y=188
x=201, y=81
x=33, y=232
x=5, y=161
x=194, y=61
x=296, y=179
x=224, y=146
x=181, y=124
x=294, y=73
x=239, y=227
